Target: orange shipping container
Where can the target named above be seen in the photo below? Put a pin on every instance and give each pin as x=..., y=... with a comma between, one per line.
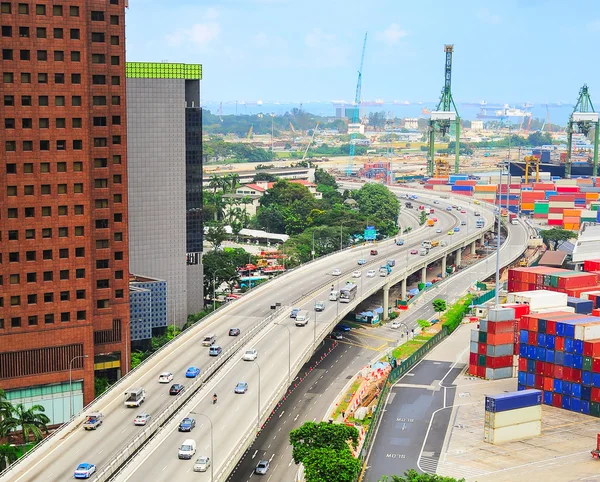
x=591, y=196
x=571, y=213
x=500, y=338
x=484, y=188
x=527, y=206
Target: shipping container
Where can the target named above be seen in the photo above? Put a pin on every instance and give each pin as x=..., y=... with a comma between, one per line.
x=580, y=305
x=541, y=299
x=513, y=432
x=588, y=331
x=513, y=417
x=498, y=373
x=499, y=351
x=501, y=314
x=512, y=400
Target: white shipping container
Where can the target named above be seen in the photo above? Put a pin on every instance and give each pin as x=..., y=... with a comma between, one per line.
x=585, y=294
x=513, y=417
x=500, y=350
x=587, y=331
x=475, y=335
x=483, y=325
x=474, y=346
x=540, y=299
x=498, y=373
x=512, y=432
x=565, y=182
x=501, y=314
x=564, y=309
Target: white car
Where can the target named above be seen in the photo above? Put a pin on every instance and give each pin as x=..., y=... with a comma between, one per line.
x=438, y=230
x=395, y=324
x=336, y=272
x=165, y=377
x=436, y=202
x=371, y=273
x=142, y=419
x=356, y=274
x=250, y=355
x=202, y=464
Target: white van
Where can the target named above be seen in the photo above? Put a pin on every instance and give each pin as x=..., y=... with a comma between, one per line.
x=302, y=318
x=209, y=340
x=187, y=449
x=334, y=295
x=134, y=397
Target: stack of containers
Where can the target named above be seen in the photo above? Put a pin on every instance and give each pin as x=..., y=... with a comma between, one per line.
x=541, y=209
x=571, y=219
x=560, y=354
x=512, y=416
x=485, y=192
x=531, y=278
x=492, y=347
x=573, y=283
x=580, y=305
x=457, y=177
x=528, y=199
x=593, y=297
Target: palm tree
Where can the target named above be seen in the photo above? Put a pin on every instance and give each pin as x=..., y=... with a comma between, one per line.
x=215, y=183
x=8, y=455
x=5, y=405
x=31, y=421
x=234, y=179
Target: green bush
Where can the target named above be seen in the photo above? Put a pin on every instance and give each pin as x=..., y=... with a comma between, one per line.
x=456, y=313
x=423, y=323
x=393, y=315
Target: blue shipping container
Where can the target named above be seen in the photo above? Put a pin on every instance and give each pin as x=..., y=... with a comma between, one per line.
x=578, y=347
x=510, y=401
x=569, y=345
x=531, y=352
x=560, y=329
x=530, y=366
x=523, y=350
x=575, y=404
x=568, y=360
x=578, y=361
x=576, y=390
x=524, y=337
x=521, y=387
x=566, y=402
x=540, y=353
x=549, y=356
x=586, y=393
x=586, y=378
x=557, y=385
x=595, y=380
x=542, y=326
x=530, y=379
x=541, y=340
x=585, y=407
x=566, y=387
x=522, y=378
x=548, y=398
x=580, y=305
x=550, y=341
x=559, y=357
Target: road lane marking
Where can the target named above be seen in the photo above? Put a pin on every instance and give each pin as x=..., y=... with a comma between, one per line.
x=271, y=457
x=254, y=454
x=164, y=468
x=281, y=414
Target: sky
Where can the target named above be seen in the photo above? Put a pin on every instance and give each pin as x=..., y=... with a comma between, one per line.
x=292, y=50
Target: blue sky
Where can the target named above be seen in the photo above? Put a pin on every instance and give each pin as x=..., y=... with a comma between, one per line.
x=505, y=51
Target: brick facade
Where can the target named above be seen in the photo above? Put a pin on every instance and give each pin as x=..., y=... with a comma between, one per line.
x=63, y=188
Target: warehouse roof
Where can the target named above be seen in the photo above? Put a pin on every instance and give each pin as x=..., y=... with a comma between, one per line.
x=553, y=258
x=587, y=245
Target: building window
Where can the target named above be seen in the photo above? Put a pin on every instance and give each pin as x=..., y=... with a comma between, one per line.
x=42, y=100
x=8, y=77
x=79, y=252
x=101, y=223
x=97, y=36
x=24, y=32
x=115, y=60
x=32, y=299
x=9, y=100
x=40, y=32
x=59, y=100
x=30, y=256
x=10, y=146
x=44, y=167
x=31, y=277
x=63, y=232
x=118, y=217
x=32, y=320
x=98, y=59
x=76, y=101
x=63, y=210
x=102, y=283
x=100, y=304
x=99, y=79
x=13, y=257
x=78, y=188
x=48, y=297
x=114, y=20
x=79, y=230
x=47, y=233
x=57, y=10
x=14, y=279
x=63, y=253
x=97, y=16
x=7, y=54
x=78, y=209
x=15, y=322
x=60, y=123
x=80, y=294
x=75, y=79
x=46, y=211
x=59, y=55
x=40, y=9
x=118, y=198
x=30, y=234
x=116, y=100
x=9, y=123
x=44, y=145
x=99, y=121
x=62, y=189
x=81, y=315
x=7, y=30
x=27, y=145
x=101, y=264
x=64, y=317
x=59, y=33
x=64, y=274
x=114, y=40
x=100, y=142
x=117, y=159
x=75, y=56
x=42, y=79
x=74, y=11
x=119, y=293
x=5, y=7
x=59, y=78
x=74, y=34
x=29, y=212
x=115, y=80
x=101, y=203
x=28, y=190
x=44, y=123
x=15, y=300
x=77, y=145
x=23, y=9
x=11, y=169
x=78, y=166
x=25, y=78
x=45, y=189
x=102, y=244
x=42, y=55
x=99, y=100
x=117, y=179
x=116, y=140
x=61, y=145
x=76, y=122
x=48, y=275
x=13, y=235
x=118, y=255
x=49, y=318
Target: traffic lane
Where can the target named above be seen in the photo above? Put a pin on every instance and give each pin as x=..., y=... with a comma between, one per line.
x=308, y=401
x=405, y=421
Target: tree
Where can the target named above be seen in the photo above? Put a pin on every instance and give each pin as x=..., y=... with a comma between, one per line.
x=5, y=405
x=215, y=234
x=414, y=476
x=555, y=237
x=377, y=201
x=8, y=455
x=329, y=465
x=323, y=177
x=311, y=435
x=215, y=183
x=265, y=177
x=221, y=267
x=30, y=421
x=422, y=218
x=439, y=305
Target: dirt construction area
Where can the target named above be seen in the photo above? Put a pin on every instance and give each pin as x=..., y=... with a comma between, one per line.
x=561, y=453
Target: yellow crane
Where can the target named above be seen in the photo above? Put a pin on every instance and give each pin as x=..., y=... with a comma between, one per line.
x=535, y=161
x=442, y=166
x=249, y=136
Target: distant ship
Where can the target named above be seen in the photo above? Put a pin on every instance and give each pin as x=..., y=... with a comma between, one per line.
x=503, y=113
x=372, y=102
x=425, y=111
x=481, y=103
x=401, y=102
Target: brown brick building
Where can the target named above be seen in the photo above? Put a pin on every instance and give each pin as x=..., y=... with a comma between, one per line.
x=63, y=199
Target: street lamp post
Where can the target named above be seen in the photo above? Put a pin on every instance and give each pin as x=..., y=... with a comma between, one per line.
x=71, y=383
x=212, y=445
x=313, y=245
x=289, y=352
x=258, y=404
x=315, y=330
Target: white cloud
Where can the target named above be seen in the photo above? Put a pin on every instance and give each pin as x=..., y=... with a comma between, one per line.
x=485, y=16
x=391, y=35
x=200, y=34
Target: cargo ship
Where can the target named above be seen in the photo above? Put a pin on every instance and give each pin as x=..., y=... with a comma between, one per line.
x=503, y=113
x=552, y=160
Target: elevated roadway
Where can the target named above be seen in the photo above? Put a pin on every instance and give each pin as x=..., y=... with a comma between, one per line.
x=56, y=458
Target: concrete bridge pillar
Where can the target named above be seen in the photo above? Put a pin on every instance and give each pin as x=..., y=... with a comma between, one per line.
x=424, y=274
x=458, y=256
x=473, y=247
x=403, y=290
x=444, y=259
x=386, y=301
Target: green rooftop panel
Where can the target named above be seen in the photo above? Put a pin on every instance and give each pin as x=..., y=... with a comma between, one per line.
x=159, y=70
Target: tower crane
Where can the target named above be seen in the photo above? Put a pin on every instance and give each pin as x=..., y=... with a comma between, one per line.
x=355, y=112
x=444, y=115
x=582, y=119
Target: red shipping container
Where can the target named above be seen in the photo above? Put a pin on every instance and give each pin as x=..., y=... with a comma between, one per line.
x=577, y=281
x=499, y=361
x=556, y=400
x=533, y=323
x=558, y=372
x=548, y=384
x=567, y=373
x=500, y=338
x=496, y=327
x=576, y=292
x=520, y=310
x=591, y=265
x=576, y=375
x=567, y=189
x=473, y=359
x=481, y=348
x=523, y=322
x=539, y=368
x=555, y=222
x=595, y=394
x=596, y=365
x=522, y=364
x=591, y=348
x=550, y=327
x=539, y=382
x=532, y=340
x=559, y=343
x=473, y=370
x=596, y=312
x=481, y=372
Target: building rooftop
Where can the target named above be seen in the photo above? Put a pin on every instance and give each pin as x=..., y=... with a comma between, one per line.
x=163, y=70
x=587, y=245
x=553, y=258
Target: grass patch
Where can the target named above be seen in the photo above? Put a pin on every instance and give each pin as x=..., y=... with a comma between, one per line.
x=406, y=349
x=343, y=405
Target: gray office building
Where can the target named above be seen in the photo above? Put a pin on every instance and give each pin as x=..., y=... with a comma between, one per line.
x=164, y=147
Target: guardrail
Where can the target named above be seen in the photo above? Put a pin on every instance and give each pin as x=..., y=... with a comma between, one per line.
x=141, y=438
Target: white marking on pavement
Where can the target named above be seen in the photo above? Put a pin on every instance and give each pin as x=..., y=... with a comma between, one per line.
x=254, y=454
x=271, y=457
x=296, y=418
x=281, y=414
x=164, y=468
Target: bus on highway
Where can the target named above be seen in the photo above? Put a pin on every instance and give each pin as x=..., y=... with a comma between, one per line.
x=348, y=293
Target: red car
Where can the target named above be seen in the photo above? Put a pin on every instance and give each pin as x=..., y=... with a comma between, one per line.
x=374, y=252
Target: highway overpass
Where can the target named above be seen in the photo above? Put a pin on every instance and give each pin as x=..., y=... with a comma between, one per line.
x=235, y=417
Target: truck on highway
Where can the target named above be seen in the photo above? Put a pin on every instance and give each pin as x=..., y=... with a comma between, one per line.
x=302, y=318
x=385, y=270
x=430, y=223
x=93, y=420
x=479, y=223
x=423, y=252
x=134, y=397
x=426, y=244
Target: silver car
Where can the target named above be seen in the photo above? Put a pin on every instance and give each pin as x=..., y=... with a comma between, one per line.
x=202, y=464
x=262, y=467
x=320, y=306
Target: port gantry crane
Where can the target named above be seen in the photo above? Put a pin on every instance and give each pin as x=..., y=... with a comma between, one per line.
x=444, y=115
x=583, y=118
x=355, y=112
